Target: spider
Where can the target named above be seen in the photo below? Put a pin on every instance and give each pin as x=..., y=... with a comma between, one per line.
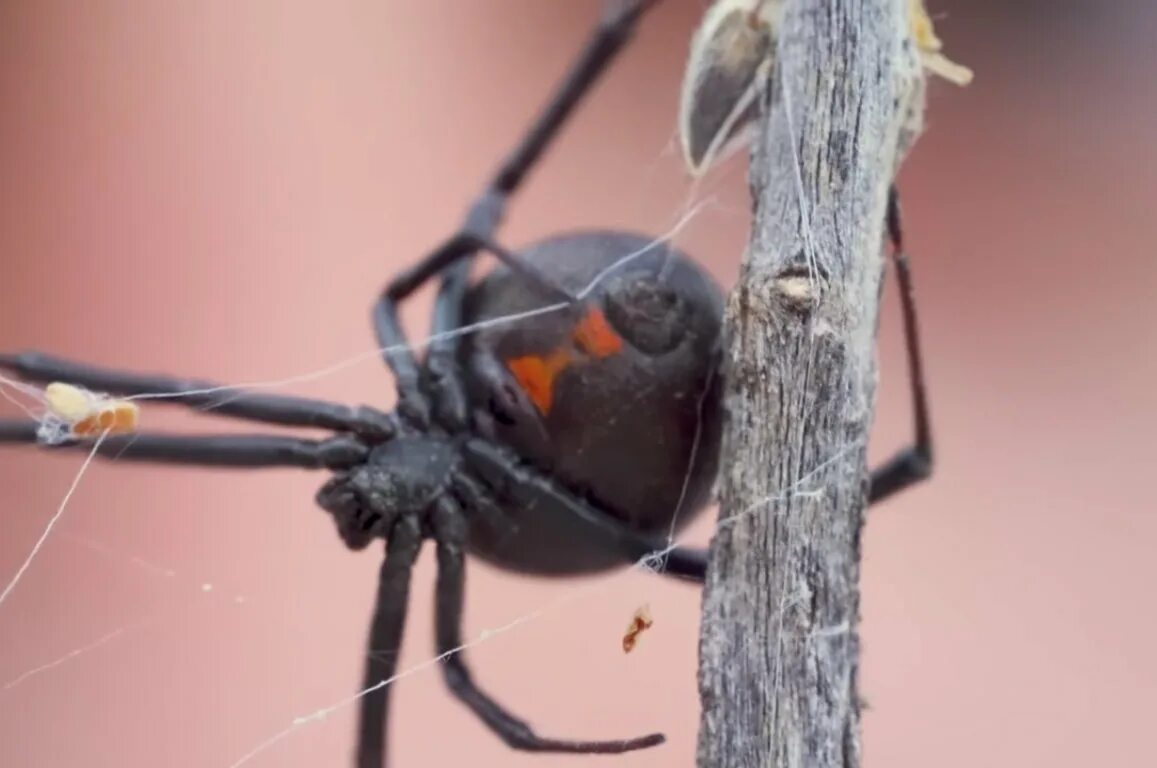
x=562, y=447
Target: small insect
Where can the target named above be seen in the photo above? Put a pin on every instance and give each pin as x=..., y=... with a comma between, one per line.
x=563, y=446
x=74, y=412
x=730, y=63
x=640, y=623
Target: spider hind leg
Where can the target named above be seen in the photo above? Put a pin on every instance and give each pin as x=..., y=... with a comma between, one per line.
x=914, y=463
x=451, y=259
x=450, y=529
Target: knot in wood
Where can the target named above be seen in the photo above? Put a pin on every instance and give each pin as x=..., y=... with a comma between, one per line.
x=796, y=288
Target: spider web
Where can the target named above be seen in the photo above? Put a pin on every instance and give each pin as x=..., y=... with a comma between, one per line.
x=31, y=401
x=648, y=563
x=374, y=354
x=198, y=590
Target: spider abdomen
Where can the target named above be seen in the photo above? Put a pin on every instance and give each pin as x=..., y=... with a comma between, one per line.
x=616, y=397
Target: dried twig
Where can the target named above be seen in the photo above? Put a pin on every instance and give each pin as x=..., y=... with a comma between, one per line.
x=779, y=647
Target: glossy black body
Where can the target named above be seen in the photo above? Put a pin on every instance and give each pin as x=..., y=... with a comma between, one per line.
x=635, y=433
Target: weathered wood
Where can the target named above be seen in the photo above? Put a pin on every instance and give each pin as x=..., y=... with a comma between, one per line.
x=779, y=645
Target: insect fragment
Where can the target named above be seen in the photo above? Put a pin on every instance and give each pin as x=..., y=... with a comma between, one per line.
x=640, y=623
x=730, y=61
x=929, y=46
x=75, y=412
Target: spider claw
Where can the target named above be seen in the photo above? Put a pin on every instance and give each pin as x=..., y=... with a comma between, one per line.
x=597, y=747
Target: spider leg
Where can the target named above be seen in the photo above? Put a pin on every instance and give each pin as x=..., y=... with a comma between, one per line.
x=450, y=531
x=914, y=463
x=238, y=451
x=396, y=350
x=614, y=30
x=525, y=486
x=284, y=410
x=474, y=496
x=385, y=639
x=909, y=466
x=449, y=393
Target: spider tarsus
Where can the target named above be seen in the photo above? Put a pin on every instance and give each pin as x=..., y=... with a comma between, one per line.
x=600, y=747
x=905, y=469
x=517, y=734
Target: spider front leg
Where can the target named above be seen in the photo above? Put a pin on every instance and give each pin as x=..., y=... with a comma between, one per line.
x=283, y=410
x=218, y=451
x=910, y=465
x=450, y=532
x=395, y=349
x=452, y=258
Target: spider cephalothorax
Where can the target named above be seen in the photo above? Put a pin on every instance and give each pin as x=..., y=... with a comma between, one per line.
x=399, y=477
x=564, y=419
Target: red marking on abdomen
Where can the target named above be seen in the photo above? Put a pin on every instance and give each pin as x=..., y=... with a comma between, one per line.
x=594, y=335
x=536, y=374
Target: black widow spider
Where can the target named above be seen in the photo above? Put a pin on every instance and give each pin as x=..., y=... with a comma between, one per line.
x=561, y=447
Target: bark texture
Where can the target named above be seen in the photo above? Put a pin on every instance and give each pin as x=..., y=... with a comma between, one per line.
x=779, y=647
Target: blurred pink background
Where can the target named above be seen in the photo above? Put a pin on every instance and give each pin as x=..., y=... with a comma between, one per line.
x=219, y=188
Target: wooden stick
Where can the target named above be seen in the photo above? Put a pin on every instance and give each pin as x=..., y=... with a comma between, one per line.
x=779, y=644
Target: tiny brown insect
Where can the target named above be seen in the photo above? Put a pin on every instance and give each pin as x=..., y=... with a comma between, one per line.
x=640, y=623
